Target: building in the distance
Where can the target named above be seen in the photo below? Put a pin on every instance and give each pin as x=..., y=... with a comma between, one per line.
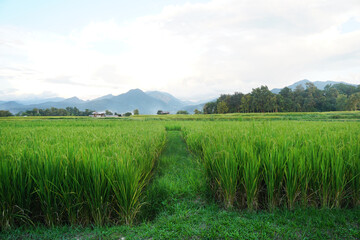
x=97, y=114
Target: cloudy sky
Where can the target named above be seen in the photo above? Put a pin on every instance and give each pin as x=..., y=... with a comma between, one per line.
x=192, y=49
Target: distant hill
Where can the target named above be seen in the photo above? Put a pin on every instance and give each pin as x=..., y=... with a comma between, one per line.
x=127, y=102
x=319, y=84
x=191, y=108
x=73, y=100
x=10, y=105
x=104, y=97
x=147, y=103
x=166, y=98
x=69, y=102
x=37, y=100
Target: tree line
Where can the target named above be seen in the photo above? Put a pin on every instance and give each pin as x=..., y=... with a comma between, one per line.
x=69, y=111
x=5, y=113
x=337, y=97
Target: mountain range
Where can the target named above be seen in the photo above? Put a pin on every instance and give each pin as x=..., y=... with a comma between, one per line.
x=319, y=84
x=146, y=102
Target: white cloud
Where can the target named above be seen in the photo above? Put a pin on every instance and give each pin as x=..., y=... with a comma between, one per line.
x=193, y=51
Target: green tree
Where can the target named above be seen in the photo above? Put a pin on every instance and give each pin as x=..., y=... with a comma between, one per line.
x=5, y=113
x=341, y=102
x=107, y=112
x=262, y=99
x=197, y=111
x=62, y=112
x=222, y=107
x=209, y=108
x=299, y=98
x=330, y=94
x=136, y=112
x=345, y=89
x=234, y=102
x=182, y=112
x=287, y=104
x=87, y=112
x=354, y=102
x=127, y=114
x=246, y=105
x=274, y=103
x=313, y=98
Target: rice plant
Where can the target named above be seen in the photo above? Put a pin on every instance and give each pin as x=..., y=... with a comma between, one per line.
x=283, y=163
x=75, y=171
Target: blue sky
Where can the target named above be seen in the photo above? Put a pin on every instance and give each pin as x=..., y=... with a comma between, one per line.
x=64, y=16
x=192, y=49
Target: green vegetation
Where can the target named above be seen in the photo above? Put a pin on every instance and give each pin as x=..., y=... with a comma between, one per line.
x=178, y=179
x=4, y=113
x=301, y=116
x=337, y=97
x=199, y=220
x=75, y=172
x=108, y=112
x=197, y=111
x=182, y=112
x=69, y=111
x=247, y=177
x=277, y=164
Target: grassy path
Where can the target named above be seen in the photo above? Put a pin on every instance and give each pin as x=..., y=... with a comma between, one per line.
x=178, y=209
x=179, y=179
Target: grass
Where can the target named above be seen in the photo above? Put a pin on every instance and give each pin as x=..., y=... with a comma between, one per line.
x=66, y=178
x=184, y=211
x=178, y=178
x=299, y=116
x=78, y=173
x=273, y=116
x=276, y=164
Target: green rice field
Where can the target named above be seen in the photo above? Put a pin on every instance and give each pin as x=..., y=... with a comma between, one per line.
x=275, y=164
x=75, y=172
x=151, y=177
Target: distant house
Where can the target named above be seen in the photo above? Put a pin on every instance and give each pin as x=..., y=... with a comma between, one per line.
x=160, y=112
x=98, y=114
